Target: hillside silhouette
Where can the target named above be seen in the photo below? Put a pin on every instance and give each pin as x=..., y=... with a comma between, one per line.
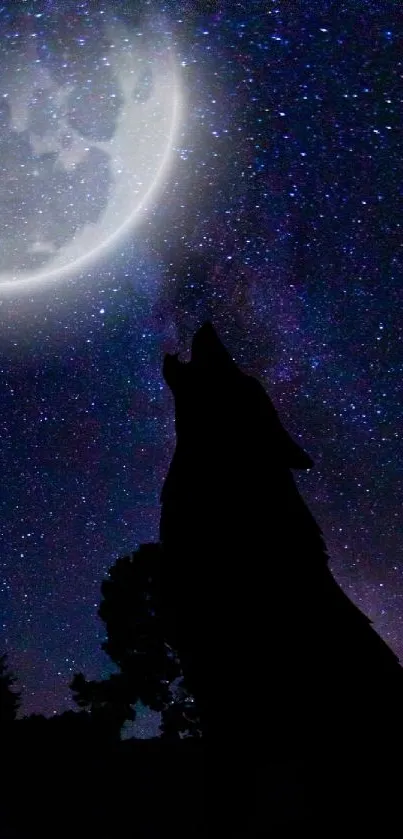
x=298, y=700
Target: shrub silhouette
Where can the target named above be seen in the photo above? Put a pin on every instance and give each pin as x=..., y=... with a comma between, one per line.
x=10, y=699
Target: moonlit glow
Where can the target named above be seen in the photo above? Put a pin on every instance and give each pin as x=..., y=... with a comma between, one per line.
x=137, y=158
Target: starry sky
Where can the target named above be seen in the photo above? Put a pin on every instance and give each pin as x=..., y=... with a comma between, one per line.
x=280, y=219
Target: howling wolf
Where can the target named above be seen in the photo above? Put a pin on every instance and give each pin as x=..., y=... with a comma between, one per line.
x=271, y=647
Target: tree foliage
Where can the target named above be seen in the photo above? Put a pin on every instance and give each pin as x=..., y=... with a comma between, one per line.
x=149, y=668
x=108, y=701
x=180, y=718
x=132, y=613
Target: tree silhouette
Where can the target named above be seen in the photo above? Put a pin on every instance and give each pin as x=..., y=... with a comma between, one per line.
x=136, y=643
x=9, y=699
x=133, y=618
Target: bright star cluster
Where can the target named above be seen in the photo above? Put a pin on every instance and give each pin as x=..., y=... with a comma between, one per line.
x=280, y=221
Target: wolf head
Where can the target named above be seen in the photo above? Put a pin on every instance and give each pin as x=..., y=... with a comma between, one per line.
x=219, y=407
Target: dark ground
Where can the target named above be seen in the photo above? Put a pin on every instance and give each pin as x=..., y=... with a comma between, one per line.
x=152, y=789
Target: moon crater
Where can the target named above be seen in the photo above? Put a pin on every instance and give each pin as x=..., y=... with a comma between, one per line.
x=81, y=161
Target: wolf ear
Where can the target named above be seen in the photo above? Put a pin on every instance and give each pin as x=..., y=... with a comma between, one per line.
x=208, y=352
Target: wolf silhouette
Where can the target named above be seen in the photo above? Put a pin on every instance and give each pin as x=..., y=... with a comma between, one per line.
x=271, y=647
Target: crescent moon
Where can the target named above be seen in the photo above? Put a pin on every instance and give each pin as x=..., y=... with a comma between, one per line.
x=130, y=143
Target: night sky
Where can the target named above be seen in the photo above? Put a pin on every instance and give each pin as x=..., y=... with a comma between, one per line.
x=280, y=219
